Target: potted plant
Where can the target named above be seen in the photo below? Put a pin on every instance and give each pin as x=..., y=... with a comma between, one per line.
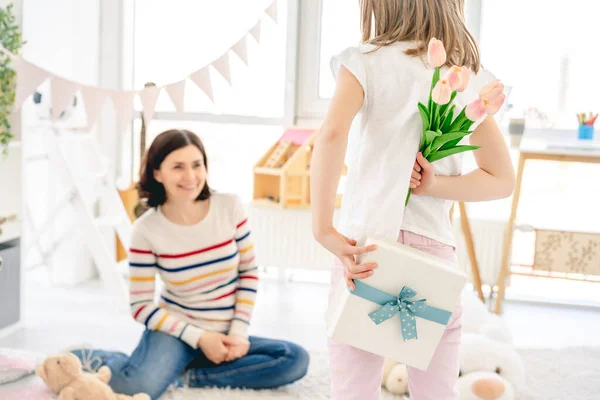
x=10, y=37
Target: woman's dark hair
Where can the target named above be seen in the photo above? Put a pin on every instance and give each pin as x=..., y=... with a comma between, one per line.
x=163, y=145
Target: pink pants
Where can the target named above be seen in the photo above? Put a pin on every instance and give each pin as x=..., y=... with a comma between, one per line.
x=356, y=374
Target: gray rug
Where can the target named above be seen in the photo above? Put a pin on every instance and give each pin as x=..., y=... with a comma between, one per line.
x=552, y=374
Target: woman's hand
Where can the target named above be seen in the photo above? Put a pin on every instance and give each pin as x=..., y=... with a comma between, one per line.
x=213, y=345
x=237, y=346
x=345, y=250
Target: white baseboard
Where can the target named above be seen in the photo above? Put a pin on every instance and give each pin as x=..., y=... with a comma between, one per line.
x=10, y=329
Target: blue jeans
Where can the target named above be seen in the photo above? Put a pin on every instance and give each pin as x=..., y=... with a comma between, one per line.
x=161, y=360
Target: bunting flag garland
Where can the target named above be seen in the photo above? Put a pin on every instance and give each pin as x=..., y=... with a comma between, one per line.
x=30, y=76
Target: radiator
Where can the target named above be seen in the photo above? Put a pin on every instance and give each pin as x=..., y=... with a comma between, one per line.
x=283, y=238
x=488, y=240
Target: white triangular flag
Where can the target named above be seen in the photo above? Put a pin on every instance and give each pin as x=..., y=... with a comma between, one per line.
x=93, y=99
x=148, y=97
x=29, y=77
x=61, y=91
x=221, y=64
x=202, y=79
x=255, y=31
x=272, y=11
x=176, y=92
x=123, y=102
x=241, y=49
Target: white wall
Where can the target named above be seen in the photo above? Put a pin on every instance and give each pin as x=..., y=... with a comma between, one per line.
x=64, y=38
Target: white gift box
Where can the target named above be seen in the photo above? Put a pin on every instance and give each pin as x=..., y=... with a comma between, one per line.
x=432, y=278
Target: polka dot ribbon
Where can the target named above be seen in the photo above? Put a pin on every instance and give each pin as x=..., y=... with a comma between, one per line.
x=403, y=305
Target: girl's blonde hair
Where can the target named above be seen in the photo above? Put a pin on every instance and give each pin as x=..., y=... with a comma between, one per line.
x=384, y=22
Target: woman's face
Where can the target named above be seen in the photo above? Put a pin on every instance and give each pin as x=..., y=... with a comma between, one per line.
x=183, y=174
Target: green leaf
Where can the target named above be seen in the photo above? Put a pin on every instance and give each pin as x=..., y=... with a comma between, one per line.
x=458, y=122
x=430, y=104
x=430, y=136
x=407, y=196
x=10, y=37
x=445, y=107
x=427, y=150
x=424, y=116
x=450, y=144
x=448, y=137
x=448, y=120
x=438, y=155
x=466, y=124
x=436, y=77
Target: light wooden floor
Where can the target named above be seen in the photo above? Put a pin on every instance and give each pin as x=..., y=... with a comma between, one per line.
x=58, y=318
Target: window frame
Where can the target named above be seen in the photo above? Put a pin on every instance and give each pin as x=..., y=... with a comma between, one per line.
x=310, y=106
x=290, y=77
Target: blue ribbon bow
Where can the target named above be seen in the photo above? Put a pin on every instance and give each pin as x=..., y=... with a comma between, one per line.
x=403, y=304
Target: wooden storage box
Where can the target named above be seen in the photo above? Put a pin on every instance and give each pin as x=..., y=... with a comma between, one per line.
x=282, y=175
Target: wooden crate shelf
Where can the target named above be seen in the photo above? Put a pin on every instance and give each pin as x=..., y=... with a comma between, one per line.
x=282, y=175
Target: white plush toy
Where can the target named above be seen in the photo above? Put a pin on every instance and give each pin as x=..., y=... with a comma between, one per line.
x=490, y=367
x=395, y=377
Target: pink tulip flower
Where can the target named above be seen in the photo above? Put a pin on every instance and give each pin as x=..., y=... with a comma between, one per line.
x=436, y=54
x=495, y=104
x=441, y=92
x=476, y=110
x=492, y=90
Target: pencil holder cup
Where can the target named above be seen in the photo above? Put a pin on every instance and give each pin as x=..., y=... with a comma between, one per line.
x=586, y=132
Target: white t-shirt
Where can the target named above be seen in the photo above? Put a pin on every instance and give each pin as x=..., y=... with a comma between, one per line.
x=381, y=153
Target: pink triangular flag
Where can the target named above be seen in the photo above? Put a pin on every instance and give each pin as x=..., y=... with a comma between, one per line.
x=61, y=91
x=241, y=49
x=148, y=97
x=123, y=102
x=202, y=79
x=29, y=77
x=272, y=11
x=176, y=92
x=255, y=31
x=93, y=99
x=221, y=64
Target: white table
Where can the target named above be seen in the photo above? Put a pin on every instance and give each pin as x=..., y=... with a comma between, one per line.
x=548, y=145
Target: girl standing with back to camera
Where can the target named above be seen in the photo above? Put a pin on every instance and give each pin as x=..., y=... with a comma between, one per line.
x=383, y=79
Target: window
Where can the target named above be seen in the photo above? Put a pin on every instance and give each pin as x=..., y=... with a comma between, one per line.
x=329, y=27
x=340, y=28
x=550, y=62
x=171, y=41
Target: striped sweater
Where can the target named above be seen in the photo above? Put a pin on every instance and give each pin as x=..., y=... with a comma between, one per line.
x=208, y=271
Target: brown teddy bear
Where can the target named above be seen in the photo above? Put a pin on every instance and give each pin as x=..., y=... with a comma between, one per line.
x=64, y=375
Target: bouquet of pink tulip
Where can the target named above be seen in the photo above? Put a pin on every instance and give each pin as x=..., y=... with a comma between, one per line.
x=441, y=131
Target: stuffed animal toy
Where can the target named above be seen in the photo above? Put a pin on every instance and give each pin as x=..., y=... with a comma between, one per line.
x=490, y=367
x=64, y=375
x=395, y=377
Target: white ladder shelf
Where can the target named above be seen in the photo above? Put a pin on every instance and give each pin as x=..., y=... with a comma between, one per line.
x=80, y=162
